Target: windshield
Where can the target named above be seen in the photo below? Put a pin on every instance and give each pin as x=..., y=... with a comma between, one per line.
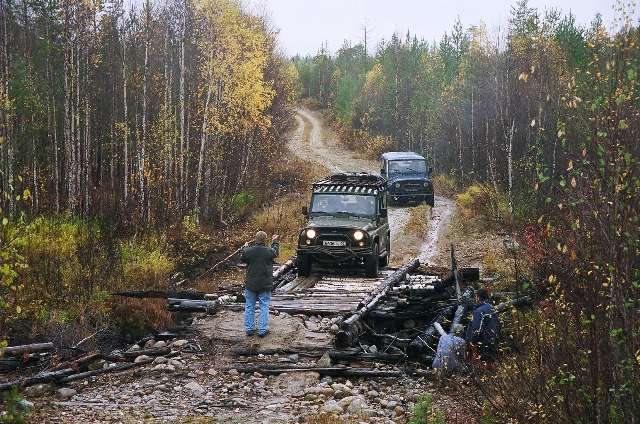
x=407, y=167
x=350, y=204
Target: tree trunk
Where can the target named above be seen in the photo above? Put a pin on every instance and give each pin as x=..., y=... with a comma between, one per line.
x=125, y=149
x=203, y=141
x=510, y=164
x=181, y=169
x=142, y=154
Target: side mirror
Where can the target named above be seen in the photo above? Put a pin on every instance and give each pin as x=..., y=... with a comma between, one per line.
x=382, y=171
x=305, y=211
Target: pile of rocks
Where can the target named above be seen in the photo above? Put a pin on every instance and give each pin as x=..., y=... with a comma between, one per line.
x=319, y=324
x=374, y=400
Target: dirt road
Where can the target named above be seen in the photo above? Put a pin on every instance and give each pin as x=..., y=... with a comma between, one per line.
x=316, y=142
x=196, y=380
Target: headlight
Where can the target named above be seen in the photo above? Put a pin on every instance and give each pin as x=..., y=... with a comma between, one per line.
x=397, y=185
x=426, y=184
x=358, y=235
x=311, y=233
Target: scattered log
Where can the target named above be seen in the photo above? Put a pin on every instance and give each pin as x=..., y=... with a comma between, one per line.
x=330, y=371
x=116, y=368
x=44, y=377
x=183, y=305
x=352, y=327
x=77, y=363
x=30, y=348
x=247, y=351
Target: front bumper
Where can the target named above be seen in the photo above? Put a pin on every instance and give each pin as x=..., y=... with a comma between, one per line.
x=335, y=254
x=412, y=197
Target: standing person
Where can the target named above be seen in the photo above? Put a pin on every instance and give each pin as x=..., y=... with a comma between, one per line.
x=451, y=350
x=259, y=260
x=483, y=330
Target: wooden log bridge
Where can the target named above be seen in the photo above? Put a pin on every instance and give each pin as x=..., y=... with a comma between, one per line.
x=352, y=326
x=328, y=294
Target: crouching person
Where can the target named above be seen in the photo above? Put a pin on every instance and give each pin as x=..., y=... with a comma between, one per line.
x=451, y=350
x=259, y=280
x=482, y=333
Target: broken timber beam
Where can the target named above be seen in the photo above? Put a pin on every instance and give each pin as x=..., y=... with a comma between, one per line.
x=352, y=327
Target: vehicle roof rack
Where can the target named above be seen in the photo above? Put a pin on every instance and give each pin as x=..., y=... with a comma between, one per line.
x=356, y=183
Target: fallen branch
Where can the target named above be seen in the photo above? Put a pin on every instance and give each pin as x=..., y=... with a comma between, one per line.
x=45, y=377
x=77, y=345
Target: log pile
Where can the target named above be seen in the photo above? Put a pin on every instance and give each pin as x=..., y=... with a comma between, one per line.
x=353, y=326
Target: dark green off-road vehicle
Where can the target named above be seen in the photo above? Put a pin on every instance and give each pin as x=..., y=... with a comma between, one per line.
x=347, y=224
x=408, y=178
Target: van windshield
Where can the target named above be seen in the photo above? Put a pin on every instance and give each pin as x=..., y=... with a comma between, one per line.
x=413, y=166
x=348, y=204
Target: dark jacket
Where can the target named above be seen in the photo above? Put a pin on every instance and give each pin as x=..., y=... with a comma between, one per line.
x=259, y=260
x=484, y=327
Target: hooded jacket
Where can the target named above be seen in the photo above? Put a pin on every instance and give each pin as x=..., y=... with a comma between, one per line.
x=259, y=260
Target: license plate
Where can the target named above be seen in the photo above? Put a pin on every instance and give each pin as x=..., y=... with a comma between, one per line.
x=334, y=243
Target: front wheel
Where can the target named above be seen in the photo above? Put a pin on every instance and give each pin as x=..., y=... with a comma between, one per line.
x=384, y=261
x=304, y=265
x=430, y=200
x=372, y=263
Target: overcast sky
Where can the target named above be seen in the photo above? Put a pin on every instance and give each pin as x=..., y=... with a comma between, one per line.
x=306, y=24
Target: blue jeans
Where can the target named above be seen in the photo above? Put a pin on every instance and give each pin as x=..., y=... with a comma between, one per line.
x=263, y=299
